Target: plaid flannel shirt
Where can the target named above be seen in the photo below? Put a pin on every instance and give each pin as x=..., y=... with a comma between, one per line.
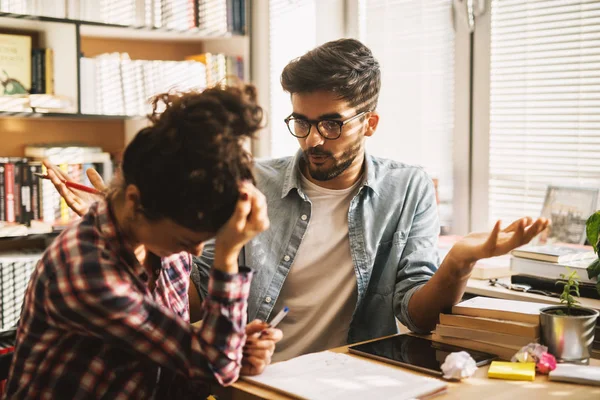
x=91, y=328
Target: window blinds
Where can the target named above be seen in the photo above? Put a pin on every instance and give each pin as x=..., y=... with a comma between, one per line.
x=413, y=41
x=292, y=32
x=544, y=101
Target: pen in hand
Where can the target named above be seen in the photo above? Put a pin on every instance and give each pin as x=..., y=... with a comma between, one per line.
x=73, y=185
x=277, y=319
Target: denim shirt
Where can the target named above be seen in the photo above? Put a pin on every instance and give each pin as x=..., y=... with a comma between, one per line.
x=393, y=229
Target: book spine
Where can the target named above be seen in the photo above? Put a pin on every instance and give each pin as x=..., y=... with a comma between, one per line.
x=17, y=191
x=49, y=72
x=36, y=72
x=2, y=194
x=35, y=192
x=9, y=187
x=64, y=209
x=26, y=178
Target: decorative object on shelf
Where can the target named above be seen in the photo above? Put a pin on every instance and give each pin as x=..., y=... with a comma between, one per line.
x=458, y=366
x=15, y=64
x=537, y=353
x=568, y=209
x=568, y=330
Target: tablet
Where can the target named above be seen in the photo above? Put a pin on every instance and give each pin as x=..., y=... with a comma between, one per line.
x=415, y=352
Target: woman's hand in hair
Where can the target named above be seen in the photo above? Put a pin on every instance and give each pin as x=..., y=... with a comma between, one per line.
x=248, y=220
x=77, y=200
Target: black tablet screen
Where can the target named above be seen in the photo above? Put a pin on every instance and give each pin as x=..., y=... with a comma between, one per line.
x=416, y=352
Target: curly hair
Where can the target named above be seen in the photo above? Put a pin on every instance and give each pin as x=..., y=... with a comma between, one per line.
x=345, y=66
x=187, y=165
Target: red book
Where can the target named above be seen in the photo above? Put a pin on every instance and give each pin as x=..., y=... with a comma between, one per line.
x=9, y=184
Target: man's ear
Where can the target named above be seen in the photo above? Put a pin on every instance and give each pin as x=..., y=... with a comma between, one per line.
x=372, y=122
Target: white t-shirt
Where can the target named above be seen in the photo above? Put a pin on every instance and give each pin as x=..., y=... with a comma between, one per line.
x=321, y=288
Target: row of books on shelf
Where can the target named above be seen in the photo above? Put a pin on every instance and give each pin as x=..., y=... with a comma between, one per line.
x=113, y=84
x=15, y=270
x=496, y=326
x=212, y=17
x=26, y=199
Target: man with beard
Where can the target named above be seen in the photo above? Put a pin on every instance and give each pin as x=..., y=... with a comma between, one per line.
x=353, y=238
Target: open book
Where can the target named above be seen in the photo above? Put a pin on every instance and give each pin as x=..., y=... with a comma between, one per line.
x=328, y=375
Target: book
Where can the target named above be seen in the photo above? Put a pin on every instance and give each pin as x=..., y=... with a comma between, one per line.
x=510, y=310
x=326, y=375
x=15, y=64
x=49, y=71
x=554, y=253
x=493, y=325
x=515, y=371
x=504, y=353
x=495, y=267
x=550, y=270
x=584, y=374
x=487, y=336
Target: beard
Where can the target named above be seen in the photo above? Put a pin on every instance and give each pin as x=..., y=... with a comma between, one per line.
x=340, y=164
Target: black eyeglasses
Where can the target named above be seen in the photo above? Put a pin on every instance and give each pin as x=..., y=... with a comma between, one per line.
x=328, y=128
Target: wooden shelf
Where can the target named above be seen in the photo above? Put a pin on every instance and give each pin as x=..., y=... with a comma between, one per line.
x=68, y=116
x=148, y=33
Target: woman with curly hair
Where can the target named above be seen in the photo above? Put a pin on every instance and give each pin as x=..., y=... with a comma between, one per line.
x=106, y=312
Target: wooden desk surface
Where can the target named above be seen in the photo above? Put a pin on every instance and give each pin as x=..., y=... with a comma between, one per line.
x=477, y=387
x=483, y=288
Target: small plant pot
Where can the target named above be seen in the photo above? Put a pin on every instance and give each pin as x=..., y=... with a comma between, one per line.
x=568, y=337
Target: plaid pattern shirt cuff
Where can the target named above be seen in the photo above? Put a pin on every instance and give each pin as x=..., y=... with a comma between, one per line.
x=227, y=288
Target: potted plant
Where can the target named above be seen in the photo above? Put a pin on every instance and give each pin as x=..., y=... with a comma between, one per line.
x=592, y=230
x=568, y=329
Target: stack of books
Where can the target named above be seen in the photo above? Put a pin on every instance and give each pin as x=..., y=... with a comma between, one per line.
x=491, y=325
x=549, y=261
x=210, y=17
x=113, y=84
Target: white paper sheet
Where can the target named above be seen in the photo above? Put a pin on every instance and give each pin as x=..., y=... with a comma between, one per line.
x=329, y=375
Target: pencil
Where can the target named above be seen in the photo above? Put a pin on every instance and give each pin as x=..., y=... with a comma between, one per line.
x=73, y=185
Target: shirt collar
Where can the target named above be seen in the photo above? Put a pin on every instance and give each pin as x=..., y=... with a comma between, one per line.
x=107, y=225
x=292, y=178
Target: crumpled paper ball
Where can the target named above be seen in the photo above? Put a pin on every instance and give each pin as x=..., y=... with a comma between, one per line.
x=535, y=352
x=458, y=365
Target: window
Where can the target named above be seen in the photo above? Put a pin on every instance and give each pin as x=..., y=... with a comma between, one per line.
x=413, y=41
x=544, y=101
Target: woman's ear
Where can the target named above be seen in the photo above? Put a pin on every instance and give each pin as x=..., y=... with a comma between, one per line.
x=132, y=203
x=372, y=122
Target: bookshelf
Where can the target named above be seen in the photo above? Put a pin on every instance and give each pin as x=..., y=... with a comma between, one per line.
x=72, y=40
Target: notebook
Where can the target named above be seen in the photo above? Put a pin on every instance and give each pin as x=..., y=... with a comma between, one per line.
x=328, y=375
x=583, y=374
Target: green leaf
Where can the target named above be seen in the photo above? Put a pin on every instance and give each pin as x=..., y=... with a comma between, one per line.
x=592, y=227
x=594, y=269
x=598, y=286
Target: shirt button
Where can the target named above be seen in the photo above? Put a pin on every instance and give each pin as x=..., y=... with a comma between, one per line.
x=303, y=217
x=268, y=299
x=286, y=258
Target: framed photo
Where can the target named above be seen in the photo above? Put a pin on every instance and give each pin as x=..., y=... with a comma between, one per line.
x=568, y=208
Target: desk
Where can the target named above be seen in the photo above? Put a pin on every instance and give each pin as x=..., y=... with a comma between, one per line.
x=476, y=387
x=483, y=288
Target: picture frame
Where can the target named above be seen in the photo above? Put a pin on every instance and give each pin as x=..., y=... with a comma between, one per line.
x=568, y=208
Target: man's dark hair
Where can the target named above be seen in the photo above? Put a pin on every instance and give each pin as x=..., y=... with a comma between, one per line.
x=187, y=165
x=345, y=66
